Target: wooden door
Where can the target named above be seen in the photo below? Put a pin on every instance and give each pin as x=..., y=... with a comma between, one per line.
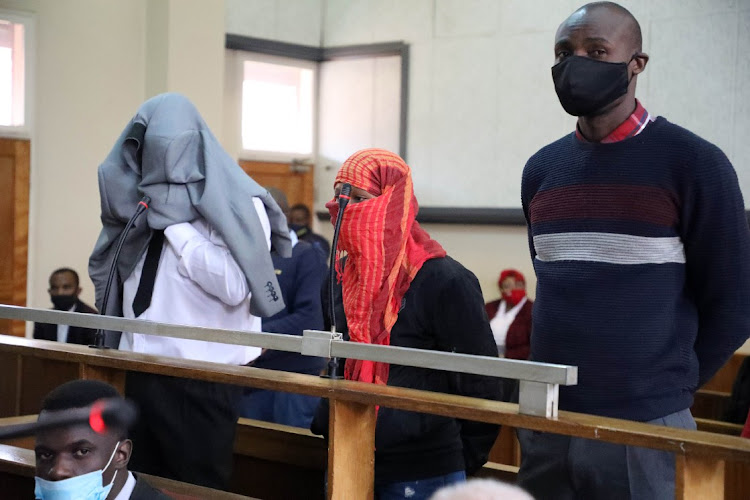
x=295, y=179
x=14, y=227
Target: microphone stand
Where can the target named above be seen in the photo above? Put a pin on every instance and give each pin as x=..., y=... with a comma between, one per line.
x=343, y=200
x=103, y=414
x=142, y=207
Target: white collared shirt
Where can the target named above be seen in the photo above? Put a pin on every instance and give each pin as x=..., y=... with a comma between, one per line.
x=198, y=283
x=127, y=488
x=502, y=321
x=62, y=330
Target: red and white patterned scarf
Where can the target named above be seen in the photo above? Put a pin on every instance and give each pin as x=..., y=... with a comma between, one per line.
x=386, y=248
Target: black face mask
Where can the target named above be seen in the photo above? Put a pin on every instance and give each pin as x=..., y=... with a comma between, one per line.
x=63, y=302
x=585, y=85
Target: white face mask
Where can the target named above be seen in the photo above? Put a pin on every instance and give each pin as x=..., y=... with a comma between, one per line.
x=84, y=487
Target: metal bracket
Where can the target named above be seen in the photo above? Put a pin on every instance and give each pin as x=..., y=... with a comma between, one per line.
x=318, y=343
x=538, y=398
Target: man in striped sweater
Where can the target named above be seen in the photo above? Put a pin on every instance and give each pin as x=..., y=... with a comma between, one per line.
x=641, y=248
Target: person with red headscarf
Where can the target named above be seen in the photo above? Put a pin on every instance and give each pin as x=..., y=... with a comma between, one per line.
x=398, y=287
x=510, y=316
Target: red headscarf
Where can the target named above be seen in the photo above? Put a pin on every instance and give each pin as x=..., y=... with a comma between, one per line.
x=510, y=273
x=516, y=295
x=386, y=248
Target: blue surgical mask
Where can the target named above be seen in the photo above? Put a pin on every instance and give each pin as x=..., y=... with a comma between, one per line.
x=84, y=487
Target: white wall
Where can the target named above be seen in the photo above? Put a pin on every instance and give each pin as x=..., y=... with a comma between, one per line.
x=359, y=108
x=296, y=21
x=89, y=80
x=481, y=94
x=95, y=64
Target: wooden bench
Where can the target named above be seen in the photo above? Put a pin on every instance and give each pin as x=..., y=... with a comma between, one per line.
x=701, y=457
x=271, y=461
x=712, y=400
x=17, y=479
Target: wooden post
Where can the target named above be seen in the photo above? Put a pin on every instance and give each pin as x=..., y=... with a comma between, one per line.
x=351, y=451
x=10, y=384
x=112, y=376
x=699, y=478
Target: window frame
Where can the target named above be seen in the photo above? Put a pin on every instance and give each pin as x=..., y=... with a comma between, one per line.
x=240, y=44
x=28, y=20
x=239, y=59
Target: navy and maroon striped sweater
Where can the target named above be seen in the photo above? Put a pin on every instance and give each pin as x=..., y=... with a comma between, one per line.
x=642, y=254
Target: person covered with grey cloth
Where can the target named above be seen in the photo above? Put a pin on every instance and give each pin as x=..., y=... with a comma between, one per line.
x=168, y=153
x=199, y=256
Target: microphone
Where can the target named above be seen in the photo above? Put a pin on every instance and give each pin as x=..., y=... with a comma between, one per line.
x=142, y=207
x=343, y=200
x=102, y=416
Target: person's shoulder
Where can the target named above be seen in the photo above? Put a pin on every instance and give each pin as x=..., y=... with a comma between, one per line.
x=701, y=159
x=83, y=307
x=683, y=139
x=552, y=149
x=318, y=237
x=527, y=307
x=302, y=247
x=441, y=272
x=308, y=254
x=493, y=303
x=144, y=491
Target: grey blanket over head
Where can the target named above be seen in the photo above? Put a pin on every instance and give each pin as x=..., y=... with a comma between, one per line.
x=168, y=153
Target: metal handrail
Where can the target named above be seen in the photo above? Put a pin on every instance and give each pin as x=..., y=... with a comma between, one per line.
x=539, y=381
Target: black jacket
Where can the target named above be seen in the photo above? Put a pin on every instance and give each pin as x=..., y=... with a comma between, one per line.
x=76, y=334
x=144, y=491
x=442, y=310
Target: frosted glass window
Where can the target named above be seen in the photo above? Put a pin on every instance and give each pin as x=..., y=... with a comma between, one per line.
x=11, y=74
x=277, y=108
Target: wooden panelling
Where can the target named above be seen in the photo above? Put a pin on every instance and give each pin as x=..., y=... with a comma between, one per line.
x=718, y=427
x=10, y=384
x=296, y=182
x=710, y=404
x=737, y=481
x=38, y=377
x=14, y=227
x=111, y=376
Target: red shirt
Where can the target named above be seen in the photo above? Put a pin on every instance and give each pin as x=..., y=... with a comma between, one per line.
x=631, y=127
x=746, y=430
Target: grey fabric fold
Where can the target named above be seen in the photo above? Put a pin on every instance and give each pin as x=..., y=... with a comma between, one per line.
x=168, y=153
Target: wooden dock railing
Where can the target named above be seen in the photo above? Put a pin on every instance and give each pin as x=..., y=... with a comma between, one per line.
x=701, y=456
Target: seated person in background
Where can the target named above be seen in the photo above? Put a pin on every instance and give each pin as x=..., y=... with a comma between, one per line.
x=510, y=316
x=398, y=287
x=300, y=221
x=64, y=289
x=77, y=463
x=300, y=278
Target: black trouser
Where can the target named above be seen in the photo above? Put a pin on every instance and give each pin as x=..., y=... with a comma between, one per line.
x=185, y=430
